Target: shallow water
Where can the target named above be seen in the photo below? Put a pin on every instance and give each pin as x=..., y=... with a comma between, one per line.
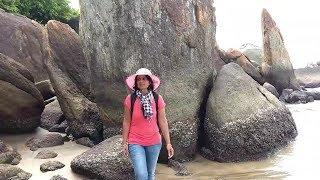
x=296, y=161
x=299, y=160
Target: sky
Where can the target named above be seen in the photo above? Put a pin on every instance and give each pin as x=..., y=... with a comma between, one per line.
x=74, y=4
x=239, y=22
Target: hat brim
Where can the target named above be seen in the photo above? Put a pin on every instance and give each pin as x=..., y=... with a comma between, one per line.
x=130, y=81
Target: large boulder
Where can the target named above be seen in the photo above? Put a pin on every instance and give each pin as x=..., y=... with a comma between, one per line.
x=82, y=114
x=66, y=44
x=104, y=161
x=21, y=102
x=244, y=121
x=22, y=39
x=276, y=67
x=175, y=39
x=308, y=77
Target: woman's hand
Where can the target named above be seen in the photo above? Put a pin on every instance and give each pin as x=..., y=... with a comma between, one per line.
x=170, y=151
x=125, y=149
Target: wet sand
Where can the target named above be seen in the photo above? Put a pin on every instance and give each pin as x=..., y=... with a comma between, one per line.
x=296, y=161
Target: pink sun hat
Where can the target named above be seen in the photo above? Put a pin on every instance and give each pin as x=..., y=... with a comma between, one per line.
x=143, y=71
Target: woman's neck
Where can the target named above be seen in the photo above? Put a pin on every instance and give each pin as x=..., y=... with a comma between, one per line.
x=144, y=91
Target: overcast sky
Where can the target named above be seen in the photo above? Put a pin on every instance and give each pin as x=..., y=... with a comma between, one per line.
x=239, y=22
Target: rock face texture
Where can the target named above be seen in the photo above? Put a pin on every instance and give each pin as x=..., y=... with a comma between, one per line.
x=66, y=44
x=239, y=58
x=175, y=39
x=308, y=77
x=51, y=166
x=21, y=102
x=22, y=39
x=104, y=161
x=244, y=120
x=45, y=89
x=82, y=114
x=51, y=115
x=276, y=67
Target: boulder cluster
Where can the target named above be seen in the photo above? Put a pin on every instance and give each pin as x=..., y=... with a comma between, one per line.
x=226, y=105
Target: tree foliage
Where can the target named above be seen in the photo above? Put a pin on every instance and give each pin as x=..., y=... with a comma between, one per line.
x=41, y=10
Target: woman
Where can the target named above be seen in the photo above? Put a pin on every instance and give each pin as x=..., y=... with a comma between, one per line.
x=141, y=137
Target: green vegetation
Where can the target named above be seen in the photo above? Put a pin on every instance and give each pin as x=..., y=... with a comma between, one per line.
x=41, y=10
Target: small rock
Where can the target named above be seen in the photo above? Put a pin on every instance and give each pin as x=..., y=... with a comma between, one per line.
x=58, y=177
x=181, y=170
x=46, y=154
x=13, y=173
x=8, y=154
x=271, y=88
x=47, y=140
x=51, y=166
x=85, y=141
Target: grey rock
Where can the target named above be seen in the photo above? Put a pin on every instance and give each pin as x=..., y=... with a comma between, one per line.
x=11, y=172
x=45, y=89
x=285, y=95
x=297, y=96
x=174, y=39
x=314, y=94
x=47, y=140
x=59, y=127
x=271, y=89
x=82, y=115
x=85, y=141
x=310, y=99
x=51, y=115
x=104, y=161
x=246, y=65
x=276, y=67
x=179, y=168
x=46, y=154
x=58, y=177
x=51, y=166
x=8, y=154
x=245, y=122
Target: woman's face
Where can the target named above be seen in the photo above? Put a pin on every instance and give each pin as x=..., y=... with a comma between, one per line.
x=142, y=82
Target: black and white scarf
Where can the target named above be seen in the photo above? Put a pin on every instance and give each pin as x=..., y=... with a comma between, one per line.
x=146, y=104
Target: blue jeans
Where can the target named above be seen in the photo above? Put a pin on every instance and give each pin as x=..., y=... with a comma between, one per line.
x=144, y=160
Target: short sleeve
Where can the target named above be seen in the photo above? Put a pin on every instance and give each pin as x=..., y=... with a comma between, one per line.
x=126, y=102
x=161, y=103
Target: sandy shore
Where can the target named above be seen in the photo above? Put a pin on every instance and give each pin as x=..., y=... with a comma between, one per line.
x=298, y=160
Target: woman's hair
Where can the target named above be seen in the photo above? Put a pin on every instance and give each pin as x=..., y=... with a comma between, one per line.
x=150, y=87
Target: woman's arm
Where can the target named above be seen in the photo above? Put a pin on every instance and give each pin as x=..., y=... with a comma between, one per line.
x=163, y=123
x=125, y=129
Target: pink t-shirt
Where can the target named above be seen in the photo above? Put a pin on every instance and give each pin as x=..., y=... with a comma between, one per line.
x=142, y=131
